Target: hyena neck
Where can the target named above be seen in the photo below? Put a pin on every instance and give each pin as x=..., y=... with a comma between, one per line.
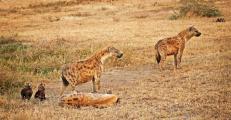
x=185, y=35
x=101, y=56
x=104, y=58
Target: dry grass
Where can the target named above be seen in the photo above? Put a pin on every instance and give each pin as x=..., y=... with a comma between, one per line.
x=38, y=40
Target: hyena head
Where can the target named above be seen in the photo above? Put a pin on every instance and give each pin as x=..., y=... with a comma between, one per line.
x=194, y=32
x=110, y=52
x=28, y=85
x=41, y=87
x=115, y=52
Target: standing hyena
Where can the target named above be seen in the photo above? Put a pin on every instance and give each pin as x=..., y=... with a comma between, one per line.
x=174, y=46
x=88, y=70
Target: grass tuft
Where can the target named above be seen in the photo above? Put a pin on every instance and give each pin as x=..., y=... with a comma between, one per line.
x=9, y=83
x=193, y=8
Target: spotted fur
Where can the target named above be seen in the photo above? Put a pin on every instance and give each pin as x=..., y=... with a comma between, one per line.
x=40, y=94
x=89, y=99
x=87, y=70
x=174, y=46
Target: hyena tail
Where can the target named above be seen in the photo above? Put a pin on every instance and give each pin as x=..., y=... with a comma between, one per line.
x=65, y=82
x=158, y=57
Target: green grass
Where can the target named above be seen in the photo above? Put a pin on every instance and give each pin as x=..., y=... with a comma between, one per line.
x=25, y=62
x=9, y=48
x=25, y=58
x=39, y=58
x=9, y=83
x=192, y=8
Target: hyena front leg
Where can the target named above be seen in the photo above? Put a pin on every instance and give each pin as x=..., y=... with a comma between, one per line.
x=179, y=56
x=63, y=89
x=179, y=59
x=175, y=61
x=98, y=84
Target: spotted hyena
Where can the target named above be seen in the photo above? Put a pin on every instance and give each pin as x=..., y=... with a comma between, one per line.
x=40, y=94
x=88, y=70
x=26, y=92
x=174, y=46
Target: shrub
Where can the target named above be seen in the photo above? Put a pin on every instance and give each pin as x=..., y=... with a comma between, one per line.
x=191, y=8
x=175, y=16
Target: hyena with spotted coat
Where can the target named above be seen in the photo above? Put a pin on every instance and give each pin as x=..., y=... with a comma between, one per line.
x=88, y=70
x=174, y=46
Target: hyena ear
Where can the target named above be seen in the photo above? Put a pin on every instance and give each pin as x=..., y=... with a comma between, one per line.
x=27, y=84
x=110, y=48
x=42, y=84
x=191, y=27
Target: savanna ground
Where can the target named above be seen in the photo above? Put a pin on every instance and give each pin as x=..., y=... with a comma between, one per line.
x=38, y=37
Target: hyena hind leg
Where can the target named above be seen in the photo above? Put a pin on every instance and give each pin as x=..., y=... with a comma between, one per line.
x=73, y=88
x=163, y=58
x=94, y=85
x=64, y=85
x=63, y=89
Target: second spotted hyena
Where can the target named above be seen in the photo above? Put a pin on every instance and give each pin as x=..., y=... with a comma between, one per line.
x=88, y=70
x=174, y=46
x=40, y=94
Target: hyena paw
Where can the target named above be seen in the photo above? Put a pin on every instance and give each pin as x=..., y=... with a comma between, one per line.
x=94, y=92
x=77, y=91
x=179, y=67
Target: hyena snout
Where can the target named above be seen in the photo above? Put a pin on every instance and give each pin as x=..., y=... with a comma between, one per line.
x=198, y=34
x=119, y=55
x=115, y=52
x=194, y=31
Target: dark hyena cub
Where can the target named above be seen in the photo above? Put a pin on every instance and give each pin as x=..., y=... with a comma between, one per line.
x=174, y=46
x=26, y=92
x=40, y=94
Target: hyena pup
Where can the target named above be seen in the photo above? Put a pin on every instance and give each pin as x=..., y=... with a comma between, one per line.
x=40, y=94
x=26, y=92
x=174, y=46
x=88, y=70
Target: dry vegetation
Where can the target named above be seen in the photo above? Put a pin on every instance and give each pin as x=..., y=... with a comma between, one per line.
x=38, y=37
x=194, y=8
